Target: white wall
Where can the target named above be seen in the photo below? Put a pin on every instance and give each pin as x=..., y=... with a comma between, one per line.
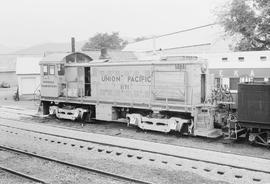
x=28, y=83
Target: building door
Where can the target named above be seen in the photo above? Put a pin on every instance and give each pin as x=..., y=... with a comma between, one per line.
x=28, y=85
x=87, y=81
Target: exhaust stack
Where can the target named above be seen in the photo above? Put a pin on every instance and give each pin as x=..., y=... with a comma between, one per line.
x=72, y=44
x=104, y=54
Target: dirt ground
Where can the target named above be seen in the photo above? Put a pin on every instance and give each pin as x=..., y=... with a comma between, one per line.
x=96, y=156
x=26, y=101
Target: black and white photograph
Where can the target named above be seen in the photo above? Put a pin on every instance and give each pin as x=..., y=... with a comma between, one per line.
x=135, y=92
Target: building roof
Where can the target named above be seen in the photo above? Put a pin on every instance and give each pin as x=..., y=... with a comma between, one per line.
x=211, y=34
x=28, y=65
x=7, y=63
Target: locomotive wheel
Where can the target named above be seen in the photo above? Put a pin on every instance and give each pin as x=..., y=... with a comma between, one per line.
x=79, y=119
x=247, y=136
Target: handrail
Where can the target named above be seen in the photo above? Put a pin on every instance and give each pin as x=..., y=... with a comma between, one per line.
x=35, y=92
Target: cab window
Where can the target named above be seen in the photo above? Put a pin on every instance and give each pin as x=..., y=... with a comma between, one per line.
x=70, y=59
x=51, y=70
x=61, y=69
x=45, y=69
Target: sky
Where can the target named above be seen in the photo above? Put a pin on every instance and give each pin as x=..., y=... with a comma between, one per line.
x=29, y=22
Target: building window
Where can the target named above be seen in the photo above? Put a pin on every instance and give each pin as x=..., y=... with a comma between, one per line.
x=217, y=82
x=61, y=69
x=241, y=59
x=51, y=70
x=45, y=69
x=234, y=83
x=224, y=59
x=263, y=58
x=258, y=79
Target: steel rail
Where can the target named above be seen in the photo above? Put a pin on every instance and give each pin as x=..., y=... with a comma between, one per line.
x=144, y=150
x=90, y=169
x=18, y=173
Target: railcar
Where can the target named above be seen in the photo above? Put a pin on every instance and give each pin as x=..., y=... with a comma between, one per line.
x=253, y=111
x=166, y=94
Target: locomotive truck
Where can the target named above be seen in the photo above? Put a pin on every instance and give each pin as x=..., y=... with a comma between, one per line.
x=165, y=94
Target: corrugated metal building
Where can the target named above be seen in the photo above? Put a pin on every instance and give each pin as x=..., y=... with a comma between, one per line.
x=235, y=67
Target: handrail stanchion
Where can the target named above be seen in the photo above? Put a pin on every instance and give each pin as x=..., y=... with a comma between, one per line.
x=66, y=91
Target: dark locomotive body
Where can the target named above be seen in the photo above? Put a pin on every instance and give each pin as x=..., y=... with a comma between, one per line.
x=254, y=111
x=254, y=105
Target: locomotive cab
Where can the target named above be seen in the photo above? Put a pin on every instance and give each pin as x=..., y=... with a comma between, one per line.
x=50, y=80
x=62, y=77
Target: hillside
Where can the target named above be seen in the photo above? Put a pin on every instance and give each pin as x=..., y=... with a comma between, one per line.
x=5, y=50
x=49, y=47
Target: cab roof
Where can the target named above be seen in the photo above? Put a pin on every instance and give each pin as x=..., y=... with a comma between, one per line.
x=61, y=57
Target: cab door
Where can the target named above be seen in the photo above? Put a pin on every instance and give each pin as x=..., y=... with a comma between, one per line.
x=75, y=81
x=87, y=81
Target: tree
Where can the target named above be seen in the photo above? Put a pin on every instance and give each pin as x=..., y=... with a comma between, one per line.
x=249, y=19
x=105, y=40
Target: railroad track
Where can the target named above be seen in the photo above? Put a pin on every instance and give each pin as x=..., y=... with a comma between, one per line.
x=142, y=150
x=127, y=154
x=98, y=171
x=23, y=175
x=69, y=128
x=109, y=148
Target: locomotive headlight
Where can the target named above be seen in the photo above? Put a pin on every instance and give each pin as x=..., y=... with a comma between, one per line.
x=204, y=68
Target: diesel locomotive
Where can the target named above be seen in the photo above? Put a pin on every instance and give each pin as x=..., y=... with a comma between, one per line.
x=166, y=94
x=170, y=93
